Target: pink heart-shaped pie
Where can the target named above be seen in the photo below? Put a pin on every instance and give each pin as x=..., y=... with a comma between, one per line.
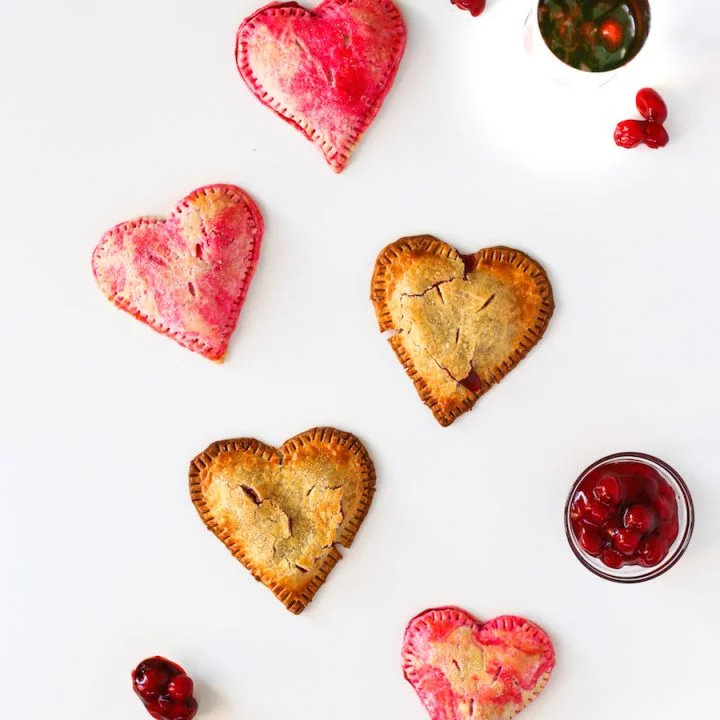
x=466, y=670
x=185, y=276
x=326, y=71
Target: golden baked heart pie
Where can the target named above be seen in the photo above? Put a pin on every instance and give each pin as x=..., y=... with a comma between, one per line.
x=283, y=511
x=460, y=323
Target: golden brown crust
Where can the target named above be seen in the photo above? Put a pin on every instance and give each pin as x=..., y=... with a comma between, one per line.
x=281, y=511
x=461, y=323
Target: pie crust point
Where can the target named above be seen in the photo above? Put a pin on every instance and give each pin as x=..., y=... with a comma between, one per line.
x=283, y=511
x=460, y=323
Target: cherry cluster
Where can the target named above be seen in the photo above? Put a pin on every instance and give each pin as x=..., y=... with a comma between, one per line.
x=651, y=131
x=165, y=689
x=625, y=516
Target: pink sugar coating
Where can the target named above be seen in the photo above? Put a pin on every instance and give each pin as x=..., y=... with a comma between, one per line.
x=186, y=276
x=518, y=655
x=326, y=71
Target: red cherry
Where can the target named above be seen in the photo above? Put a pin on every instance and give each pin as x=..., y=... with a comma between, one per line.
x=640, y=517
x=630, y=133
x=591, y=540
x=652, y=550
x=649, y=484
x=607, y=489
x=165, y=702
x=666, y=491
x=595, y=512
x=149, y=682
x=180, y=687
x=612, y=34
x=182, y=711
x=165, y=689
x=189, y=709
x=165, y=709
x=156, y=712
x=638, y=480
x=474, y=7
x=669, y=531
x=666, y=508
x=656, y=136
x=651, y=106
x=626, y=541
x=629, y=468
x=612, y=527
x=612, y=558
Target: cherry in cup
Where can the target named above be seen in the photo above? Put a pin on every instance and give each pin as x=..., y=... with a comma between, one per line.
x=629, y=517
x=617, y=504
x=165, y=689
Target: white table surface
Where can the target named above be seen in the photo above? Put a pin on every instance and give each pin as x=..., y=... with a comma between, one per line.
x=116, y=109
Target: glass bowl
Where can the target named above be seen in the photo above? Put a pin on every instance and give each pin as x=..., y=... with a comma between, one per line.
x=686, y=522
x=538, y=49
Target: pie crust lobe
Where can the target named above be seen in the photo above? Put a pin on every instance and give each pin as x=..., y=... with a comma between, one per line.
x=325, y=71
x=187, y=275
x=462, y=669
x=283, y=511
x=460, y=323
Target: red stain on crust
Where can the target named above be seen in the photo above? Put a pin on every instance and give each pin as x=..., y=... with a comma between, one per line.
x=185, y=276
x=463, y=669
x=325, y=71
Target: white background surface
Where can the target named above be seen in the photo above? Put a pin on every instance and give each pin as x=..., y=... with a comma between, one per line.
x=116, y=109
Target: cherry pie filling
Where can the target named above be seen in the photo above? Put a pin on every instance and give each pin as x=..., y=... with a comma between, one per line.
x=165, y=689
x=625, y=513
x=474, y=7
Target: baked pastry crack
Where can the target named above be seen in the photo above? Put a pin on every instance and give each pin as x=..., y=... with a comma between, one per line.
x=460, y=323
x=283, y=512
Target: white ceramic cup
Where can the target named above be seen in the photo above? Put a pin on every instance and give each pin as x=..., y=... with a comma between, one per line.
x=552, y=66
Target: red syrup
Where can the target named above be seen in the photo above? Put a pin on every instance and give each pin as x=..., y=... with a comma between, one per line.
x=469, y=261
x=165, y=689
x=474, y=7
x=473, y=382
x=625, y=513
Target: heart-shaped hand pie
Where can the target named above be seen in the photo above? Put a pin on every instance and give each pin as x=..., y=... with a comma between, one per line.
x=461, y=322
x=185, y=276
x=465, y=670
x=282, y=511
x=325, y=71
